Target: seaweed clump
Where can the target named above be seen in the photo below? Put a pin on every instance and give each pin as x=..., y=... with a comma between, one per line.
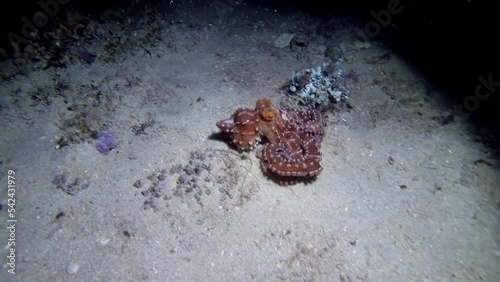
x=77, y=130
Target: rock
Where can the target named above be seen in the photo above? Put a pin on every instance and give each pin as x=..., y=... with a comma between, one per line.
x=104, y=241
x=284, y=40
x=72, y=268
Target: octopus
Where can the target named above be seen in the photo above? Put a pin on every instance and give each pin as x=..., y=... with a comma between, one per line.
x=291, y=138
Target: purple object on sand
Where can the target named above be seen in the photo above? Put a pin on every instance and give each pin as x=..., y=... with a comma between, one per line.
x=104, y=142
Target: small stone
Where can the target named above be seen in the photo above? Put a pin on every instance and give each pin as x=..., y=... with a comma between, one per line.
x=189, y=170
x=138, y=184
x=72, y=268
x=161, y=177
x=284, y=40
x=104, y=241
x=390, y=160
x=27, y=258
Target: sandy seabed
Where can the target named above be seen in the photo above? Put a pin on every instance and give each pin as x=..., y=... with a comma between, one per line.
x=407, y=192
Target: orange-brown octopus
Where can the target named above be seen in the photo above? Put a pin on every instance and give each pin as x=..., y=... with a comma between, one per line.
x=293, y=138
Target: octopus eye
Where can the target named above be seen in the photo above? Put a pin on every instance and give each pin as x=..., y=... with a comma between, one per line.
x=269, y=114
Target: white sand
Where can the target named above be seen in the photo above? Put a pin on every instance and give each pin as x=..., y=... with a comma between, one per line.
x=400, y=197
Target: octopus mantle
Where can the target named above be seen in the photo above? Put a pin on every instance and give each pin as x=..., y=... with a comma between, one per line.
x=293, y=138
